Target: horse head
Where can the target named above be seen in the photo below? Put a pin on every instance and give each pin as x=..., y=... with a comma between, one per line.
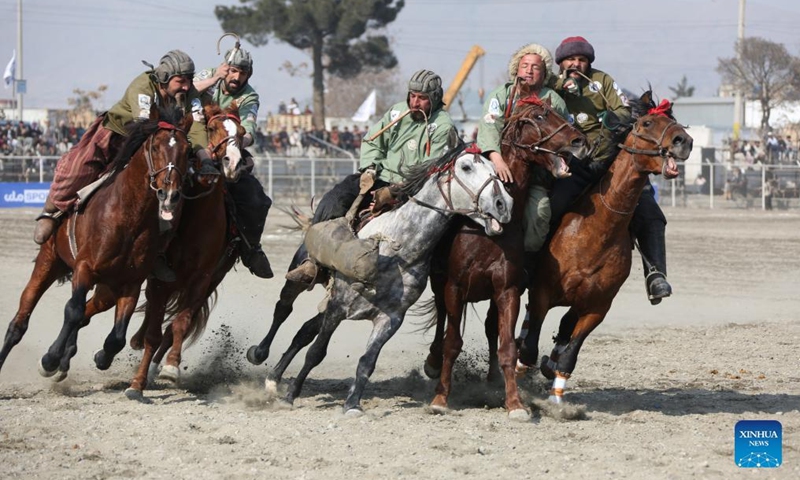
x=656, y=140
x=164, y=144
x=470, y=187
x=542, y=134
x=225, y=133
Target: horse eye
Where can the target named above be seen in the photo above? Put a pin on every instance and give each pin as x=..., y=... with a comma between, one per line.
x=540, y=117
x=648, y=123
x=466, y=167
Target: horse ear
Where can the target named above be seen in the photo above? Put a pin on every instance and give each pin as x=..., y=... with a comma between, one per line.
x=647, y=98
x=186, y=122
x=547, y=102
x=154, y=115
x=524, y=90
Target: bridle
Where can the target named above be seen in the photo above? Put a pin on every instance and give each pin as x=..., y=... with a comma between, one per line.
x=661, y=151
x=535, y=147
x=214, y=147
x=169, y=168
x=446, y=178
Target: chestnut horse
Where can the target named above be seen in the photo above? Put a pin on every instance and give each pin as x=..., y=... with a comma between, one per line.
x=589, y=256
x=112, y=243
x=201, y=255
x=470, y=266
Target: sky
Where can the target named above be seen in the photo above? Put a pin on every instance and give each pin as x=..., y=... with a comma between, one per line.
x=81, y=44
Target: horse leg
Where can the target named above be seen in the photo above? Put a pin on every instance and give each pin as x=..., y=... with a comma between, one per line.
x=385, y=327
x=74, y=313
x=453, y=342
x=152, y=340
x=47, y=270
x=180, y=325
x=115, y=341
x=433, y=363
x=257, y=354
x=316, y=353
x=490, y=328
x=507, y=353
x=569, y=357
x=538, y=304
x=302, y=339
x=565, y=328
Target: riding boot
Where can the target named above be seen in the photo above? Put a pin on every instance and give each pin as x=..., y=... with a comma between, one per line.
x=256, y=260
x=47, y=222
x=305, y=273
x=654, y=259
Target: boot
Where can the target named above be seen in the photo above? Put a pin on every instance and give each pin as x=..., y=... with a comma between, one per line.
x=256, y=260
x=162, y=271
x=305, y=273
x=652, y=246
x=47, y=222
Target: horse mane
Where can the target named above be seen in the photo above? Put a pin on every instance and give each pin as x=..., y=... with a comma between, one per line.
x=139, y=131
x=417, y=175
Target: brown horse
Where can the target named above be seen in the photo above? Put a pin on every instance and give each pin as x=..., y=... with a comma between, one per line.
x=589, y=256
x=470, y=266
x=201, y=255
x=111, y=243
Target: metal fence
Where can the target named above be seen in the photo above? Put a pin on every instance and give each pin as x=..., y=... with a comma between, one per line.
x=297, y=179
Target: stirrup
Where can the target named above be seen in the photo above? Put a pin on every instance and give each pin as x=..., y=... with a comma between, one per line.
x=657, y=287
x=258, y=263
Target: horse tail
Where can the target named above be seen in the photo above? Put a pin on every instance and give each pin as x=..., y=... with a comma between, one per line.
x=200, y=319
x=429, y=313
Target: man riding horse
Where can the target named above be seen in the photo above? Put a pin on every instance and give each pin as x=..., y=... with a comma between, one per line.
x=170, y=83
x=530, y=65
x=409, y=133
x=224, y=85
x=598, y=107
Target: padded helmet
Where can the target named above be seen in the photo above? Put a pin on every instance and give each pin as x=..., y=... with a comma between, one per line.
x=428, y=83
x=241, y=59
x=175, y=62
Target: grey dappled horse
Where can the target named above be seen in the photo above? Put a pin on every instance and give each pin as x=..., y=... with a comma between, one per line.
x=458, y=183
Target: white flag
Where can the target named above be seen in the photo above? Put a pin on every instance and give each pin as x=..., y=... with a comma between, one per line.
x=367, y=109
x=8, y=75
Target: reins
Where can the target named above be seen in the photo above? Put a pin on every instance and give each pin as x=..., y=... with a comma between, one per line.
x=151, y=170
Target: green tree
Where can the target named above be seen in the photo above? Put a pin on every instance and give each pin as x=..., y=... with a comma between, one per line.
x=682, y=89
x=338, y=34
x=764, y=71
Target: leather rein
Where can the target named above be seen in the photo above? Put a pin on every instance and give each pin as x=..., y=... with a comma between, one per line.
x=170, y=167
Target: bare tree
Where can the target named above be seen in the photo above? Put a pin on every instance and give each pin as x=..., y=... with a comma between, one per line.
x=764, y=71
x=344, y=96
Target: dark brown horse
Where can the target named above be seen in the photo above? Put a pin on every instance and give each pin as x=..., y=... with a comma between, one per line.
x=111, y=243
x=589, y=257
x=201, y=255
x=470, y=266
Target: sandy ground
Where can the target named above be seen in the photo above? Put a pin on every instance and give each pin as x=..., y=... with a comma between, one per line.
x=656, y=393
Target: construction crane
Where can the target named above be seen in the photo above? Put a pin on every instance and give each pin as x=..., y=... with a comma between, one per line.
x=474, y=54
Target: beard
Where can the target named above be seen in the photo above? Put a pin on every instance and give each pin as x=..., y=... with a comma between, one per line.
x=233, y=87
x=419, y=115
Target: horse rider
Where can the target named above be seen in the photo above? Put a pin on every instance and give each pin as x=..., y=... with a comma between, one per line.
x=530, y=65
x=224, y=85
x=409, y=133
x=170, y=83
x=598, y=108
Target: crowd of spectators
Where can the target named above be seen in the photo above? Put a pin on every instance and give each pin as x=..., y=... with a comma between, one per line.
x=24, y=139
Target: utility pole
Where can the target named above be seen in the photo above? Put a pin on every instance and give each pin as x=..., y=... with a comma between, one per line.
x=19, y=59
x=738, y=104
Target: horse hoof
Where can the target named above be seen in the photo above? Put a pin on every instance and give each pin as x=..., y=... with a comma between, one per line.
x=521, y=370
x=169, y=373
x=44, y=372
x=556, y=399
x=438, y=409
x=547, y=369
x=134, y=394
x=519, y=415
x=251, y=356
x=152, y=371
x=100, y=361
x=59, y=376
x=354, y=412
x=431, y=372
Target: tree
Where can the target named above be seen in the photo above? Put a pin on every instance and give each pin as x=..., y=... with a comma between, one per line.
x=336, y=32
x=83, y=105
x=763, y=71
x=351, y=92
x=682, y=89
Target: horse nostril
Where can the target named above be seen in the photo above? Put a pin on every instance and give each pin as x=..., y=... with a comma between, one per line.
x=161, y=194
x=175, y=196
x=678, y=140
x=500, y=205
x=578, y=142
